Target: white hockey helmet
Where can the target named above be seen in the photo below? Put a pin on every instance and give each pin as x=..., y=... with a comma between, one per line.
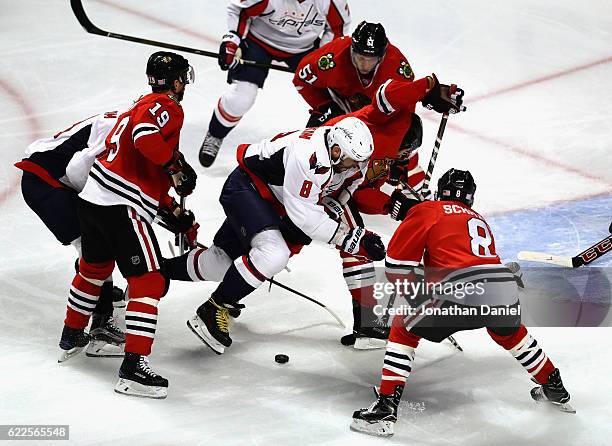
x=354, y=139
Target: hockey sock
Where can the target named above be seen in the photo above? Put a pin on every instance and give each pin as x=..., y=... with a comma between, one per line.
x=359, y=276
x=85, y=292
x=105, y=303
x=178, y=268
x=240, y=280
x=527, y=352
x=399, y=358
x=144, y=293
x=216, y=128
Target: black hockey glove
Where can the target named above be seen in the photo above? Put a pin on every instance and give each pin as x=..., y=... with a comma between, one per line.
x=363, y=243
x=323, y=114
x=291, y=233
x=182, y=176
x=229, y=51
x=400, y=204
x=177, y=221
x=397, y=174
x=444, y=98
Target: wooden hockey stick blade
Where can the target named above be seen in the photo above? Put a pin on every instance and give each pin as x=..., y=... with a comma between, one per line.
x=87, y=24
x=543, y=257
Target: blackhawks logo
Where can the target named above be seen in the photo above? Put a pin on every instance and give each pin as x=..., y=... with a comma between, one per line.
x=405, y=70
x=378, y=169
x=326, y=62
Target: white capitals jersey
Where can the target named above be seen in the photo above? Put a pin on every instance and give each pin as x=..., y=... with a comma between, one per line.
x=68, y=155
x=290, y=26
x=296, y=167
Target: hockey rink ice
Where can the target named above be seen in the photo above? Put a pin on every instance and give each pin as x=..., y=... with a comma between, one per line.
x=537, y=136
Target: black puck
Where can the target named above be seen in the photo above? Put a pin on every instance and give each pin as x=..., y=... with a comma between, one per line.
x=281, y=359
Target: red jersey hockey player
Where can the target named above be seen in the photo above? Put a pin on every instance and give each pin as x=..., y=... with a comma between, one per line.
x=127, y=185
x=262, y=31
x=448, y=235
x=397, y=132
x=344, y=75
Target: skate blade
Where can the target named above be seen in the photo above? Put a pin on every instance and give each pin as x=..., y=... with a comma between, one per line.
x=132, y=388
x=102, y=349
x=199, y=329
x=563, y=407
x=377, y=429
x=369, y=343
x=65, y=355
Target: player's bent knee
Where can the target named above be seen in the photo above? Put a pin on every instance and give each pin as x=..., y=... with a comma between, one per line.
x=151, y=285
x=96, y=271
x=269, y=252
x=239, y=98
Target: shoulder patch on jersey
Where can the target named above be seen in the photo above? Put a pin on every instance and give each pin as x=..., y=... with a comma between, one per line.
x=405, y=70
x=316, y=165
x=378, y=169
x=326, y=62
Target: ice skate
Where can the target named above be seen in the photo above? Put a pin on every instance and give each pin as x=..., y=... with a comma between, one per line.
x=107, y=339
x=211, y=325
x=380, y=417
x=119, y=297
x=209, y=150
x=553, y=392
x=136, y=378
x=73, y=341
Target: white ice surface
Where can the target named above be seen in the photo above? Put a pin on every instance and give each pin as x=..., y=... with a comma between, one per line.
x=530, y=146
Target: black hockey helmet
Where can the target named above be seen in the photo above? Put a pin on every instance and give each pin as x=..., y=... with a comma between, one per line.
x=369, y=39
x=456, y=185
x=164, y=67
x=413, y=137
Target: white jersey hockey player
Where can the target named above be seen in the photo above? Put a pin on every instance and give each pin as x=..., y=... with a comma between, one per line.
x=274, y=205
x=263, y=31
x=54, y=171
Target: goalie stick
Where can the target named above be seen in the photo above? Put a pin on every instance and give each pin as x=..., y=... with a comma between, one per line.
x=87, y=24
x=584, y=258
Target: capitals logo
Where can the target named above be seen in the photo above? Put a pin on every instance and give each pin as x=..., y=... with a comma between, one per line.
x=317, y=166
x=326, y=62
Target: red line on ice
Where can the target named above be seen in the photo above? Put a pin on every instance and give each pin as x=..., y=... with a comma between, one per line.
x=539, y=80
x=34, y=129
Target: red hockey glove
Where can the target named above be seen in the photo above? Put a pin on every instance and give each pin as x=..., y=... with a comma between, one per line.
x=229, y=51
x=181, y=174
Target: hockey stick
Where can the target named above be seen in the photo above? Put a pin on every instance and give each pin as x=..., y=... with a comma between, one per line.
x=79, y=12
x=584, y=258
x=181, y=235
x=434, y=156
x=280, y=285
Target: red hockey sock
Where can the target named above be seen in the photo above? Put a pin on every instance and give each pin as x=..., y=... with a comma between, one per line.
x=527, y=352
x=144, y=293
x=85, y=292
x=399, y=358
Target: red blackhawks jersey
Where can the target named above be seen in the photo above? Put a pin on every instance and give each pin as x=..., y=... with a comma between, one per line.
x=389, y=117
x=445, y=234
x=457, y=244
x=129, y=171
x=328, y=74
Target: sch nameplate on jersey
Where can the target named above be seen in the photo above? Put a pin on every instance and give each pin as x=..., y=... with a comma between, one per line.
x=489, y=296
